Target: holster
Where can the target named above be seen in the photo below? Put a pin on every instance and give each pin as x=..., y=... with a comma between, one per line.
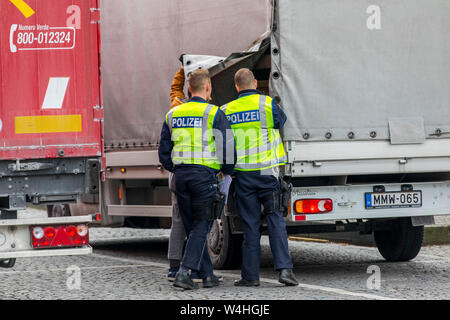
x=218, y=205
x=271, y=203
x=285, y=196
x=214, y=208
x=278, y=201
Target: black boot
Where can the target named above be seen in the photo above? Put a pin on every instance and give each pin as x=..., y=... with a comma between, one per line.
x=211, y=281
x=246, y=283
x=183, y=280
x=287, y=277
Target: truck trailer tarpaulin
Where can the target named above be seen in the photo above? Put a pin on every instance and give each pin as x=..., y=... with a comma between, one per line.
x=50, y=80
x=141, y=44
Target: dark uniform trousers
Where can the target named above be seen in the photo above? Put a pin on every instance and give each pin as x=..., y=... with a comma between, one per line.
x=195, y=188
x=252, y=191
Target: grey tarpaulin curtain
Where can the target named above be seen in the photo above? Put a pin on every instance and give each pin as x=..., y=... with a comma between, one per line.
x=141, y=43
x=339, y=73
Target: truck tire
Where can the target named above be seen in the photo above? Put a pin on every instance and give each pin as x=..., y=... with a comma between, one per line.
x=225, y=248
x=402, y=243
x=58, y=210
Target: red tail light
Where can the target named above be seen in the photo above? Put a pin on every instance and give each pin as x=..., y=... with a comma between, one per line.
x=71, y=231
x=311, y=206
x=59, y=236
x=49, y=233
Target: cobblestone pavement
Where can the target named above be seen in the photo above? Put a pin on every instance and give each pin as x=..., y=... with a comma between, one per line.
x=131, y=264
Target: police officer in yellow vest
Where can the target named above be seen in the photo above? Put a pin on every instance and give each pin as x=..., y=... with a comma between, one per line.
x=255, y=120
x=194, y=146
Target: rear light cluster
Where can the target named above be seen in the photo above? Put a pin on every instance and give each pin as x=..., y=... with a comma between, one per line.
x=60, y=236
x=313, y=206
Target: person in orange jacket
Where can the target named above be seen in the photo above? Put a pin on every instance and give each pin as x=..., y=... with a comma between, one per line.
x=177, y=232
x=177, y=96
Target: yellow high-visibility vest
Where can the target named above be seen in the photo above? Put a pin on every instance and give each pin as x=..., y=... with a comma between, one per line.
x=258, y=144
x=191, y=127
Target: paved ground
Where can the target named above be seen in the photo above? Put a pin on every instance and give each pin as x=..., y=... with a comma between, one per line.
x=131, y=264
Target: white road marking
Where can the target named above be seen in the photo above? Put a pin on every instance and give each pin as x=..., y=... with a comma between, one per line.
x=132, y=260
x=271, y=281
x=320, y=288
x=65, y=269
x=433, y=257
x=421, y=255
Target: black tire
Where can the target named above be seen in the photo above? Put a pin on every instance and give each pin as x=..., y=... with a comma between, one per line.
x=9, y=263
x=58, y=210
x=402, y=243
x=225, y=249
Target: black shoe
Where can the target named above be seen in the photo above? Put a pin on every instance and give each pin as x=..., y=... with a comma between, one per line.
x=220, y=278
x=172, y=274
x=246, y=283
x=197, y=279
x=287, y=277
x=184, y=281
x=210, y=282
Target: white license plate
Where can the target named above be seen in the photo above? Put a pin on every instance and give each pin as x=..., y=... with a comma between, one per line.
x=391, y=200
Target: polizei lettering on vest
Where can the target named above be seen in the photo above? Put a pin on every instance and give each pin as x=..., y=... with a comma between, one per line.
x=187, y=122
x=243, y=117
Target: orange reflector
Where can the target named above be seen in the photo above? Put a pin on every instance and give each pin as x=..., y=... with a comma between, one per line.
x=123, y=170
x=120, y=193
x=299, y=206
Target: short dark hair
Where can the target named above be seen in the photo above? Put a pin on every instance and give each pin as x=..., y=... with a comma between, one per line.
x=244, y=78
x=198, y=80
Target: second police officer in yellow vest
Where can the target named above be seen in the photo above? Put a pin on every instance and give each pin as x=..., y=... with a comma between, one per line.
x=255, y=120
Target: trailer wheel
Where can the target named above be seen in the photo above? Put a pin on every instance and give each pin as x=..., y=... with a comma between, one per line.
x=402, y=242
x=225, y=249
x=9, y=263
x=58, y=210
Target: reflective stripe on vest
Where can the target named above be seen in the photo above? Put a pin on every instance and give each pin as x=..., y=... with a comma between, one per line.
x=259, y=145
x=191, y=128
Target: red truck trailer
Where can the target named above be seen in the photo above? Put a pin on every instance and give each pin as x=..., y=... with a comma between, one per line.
x=50, y=122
